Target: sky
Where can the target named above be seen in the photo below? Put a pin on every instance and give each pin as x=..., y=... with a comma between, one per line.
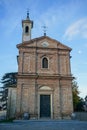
x=66, y=21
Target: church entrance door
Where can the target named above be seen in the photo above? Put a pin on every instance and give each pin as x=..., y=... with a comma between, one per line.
x=45, y=106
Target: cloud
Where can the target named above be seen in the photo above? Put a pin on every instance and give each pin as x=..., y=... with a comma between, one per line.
x=83, y=91
x=80, y=52
x=85, y=63
x=79, y=28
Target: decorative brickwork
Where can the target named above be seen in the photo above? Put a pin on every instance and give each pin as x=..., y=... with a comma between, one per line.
x=33, y=80
x=44, y=73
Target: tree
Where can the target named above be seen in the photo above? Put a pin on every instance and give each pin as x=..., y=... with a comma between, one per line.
x=80, y=105
x=85, y=104
x=75, y=92
x=77, y=101
x=8, y=80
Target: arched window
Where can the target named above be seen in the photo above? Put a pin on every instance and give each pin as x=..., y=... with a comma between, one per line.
x=44, y=62
x=26, y=29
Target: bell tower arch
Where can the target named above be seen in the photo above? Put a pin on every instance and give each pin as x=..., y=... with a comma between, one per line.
x=27, y=26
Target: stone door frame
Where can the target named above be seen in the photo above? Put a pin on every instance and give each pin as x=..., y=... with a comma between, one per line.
x=45, y=92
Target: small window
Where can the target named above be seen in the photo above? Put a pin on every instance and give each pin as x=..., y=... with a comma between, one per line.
x=26, y=29
x=44, y=62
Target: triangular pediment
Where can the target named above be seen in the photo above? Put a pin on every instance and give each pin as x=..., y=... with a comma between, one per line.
x=43, y=42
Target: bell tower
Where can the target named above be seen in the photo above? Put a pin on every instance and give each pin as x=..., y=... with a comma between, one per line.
x=27, y=25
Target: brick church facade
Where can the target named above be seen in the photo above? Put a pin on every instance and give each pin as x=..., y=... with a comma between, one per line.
x=44, y=81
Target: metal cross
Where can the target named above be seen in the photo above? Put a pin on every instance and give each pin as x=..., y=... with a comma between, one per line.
x=44, y=29
x=27, y=13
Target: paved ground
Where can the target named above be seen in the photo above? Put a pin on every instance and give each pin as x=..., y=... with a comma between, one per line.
x=44, y=125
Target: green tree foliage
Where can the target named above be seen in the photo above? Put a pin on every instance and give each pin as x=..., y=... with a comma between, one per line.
x=8, y=80
x=85, y=104
x=75, y=92
x=77, y=101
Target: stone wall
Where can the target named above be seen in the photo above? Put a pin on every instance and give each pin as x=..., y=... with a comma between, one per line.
x=32, y=77
x=11, y=108
x=81, y=116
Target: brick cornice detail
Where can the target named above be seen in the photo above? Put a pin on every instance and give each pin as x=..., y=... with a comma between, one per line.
x=41, y=76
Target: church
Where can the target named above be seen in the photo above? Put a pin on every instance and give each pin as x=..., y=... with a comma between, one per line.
x=44, y=80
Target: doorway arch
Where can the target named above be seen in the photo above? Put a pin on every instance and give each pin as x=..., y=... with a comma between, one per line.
x=45, y=102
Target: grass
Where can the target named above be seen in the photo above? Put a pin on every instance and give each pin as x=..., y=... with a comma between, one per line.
x=7, y=120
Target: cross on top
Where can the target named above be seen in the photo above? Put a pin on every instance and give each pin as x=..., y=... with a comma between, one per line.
x=44, y=29
x=27, y=13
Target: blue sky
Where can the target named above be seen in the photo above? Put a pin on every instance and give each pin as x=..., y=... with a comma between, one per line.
x=66, y=21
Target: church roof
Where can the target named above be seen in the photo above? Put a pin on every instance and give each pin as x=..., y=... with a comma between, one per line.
x=38, y=42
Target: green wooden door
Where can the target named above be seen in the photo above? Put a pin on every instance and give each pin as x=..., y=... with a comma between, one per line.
x=45, y=109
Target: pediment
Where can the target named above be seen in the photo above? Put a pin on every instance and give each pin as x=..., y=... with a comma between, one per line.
x=45, y=88
x=44, y=42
